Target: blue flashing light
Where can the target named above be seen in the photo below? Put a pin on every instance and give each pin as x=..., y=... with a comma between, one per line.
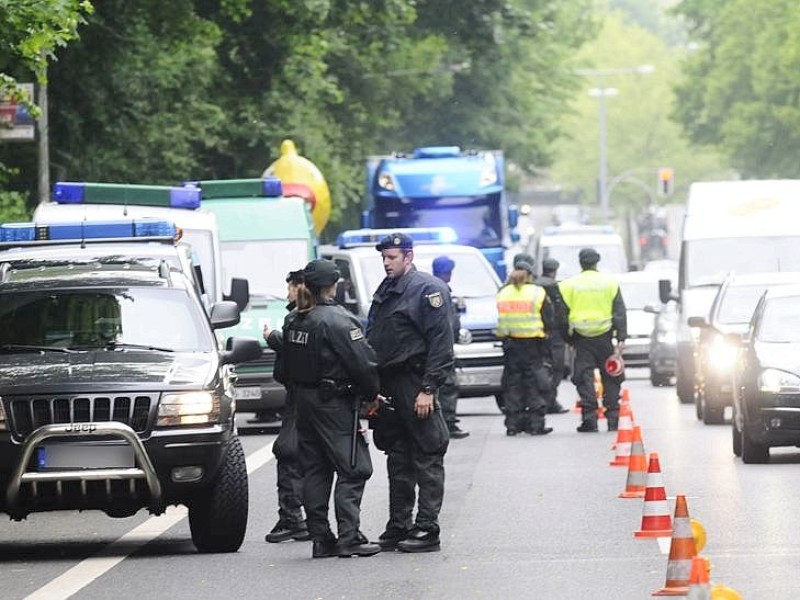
x=15, y=233
x=273, y=188
x=69, y=193
x=187, y=196
x=420, y=235
x=437, y=152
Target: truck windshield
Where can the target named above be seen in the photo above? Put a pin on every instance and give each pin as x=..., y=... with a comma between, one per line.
x=101, y=319
x=708, y=261
x=264, y=264
x=475, y=219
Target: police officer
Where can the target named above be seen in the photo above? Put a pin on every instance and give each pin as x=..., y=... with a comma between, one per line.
x=328, y=365
x=596, y=314
x=409, y=327
x=558, y=345
x=525, y=318
x=448, y=392
x=291, y=524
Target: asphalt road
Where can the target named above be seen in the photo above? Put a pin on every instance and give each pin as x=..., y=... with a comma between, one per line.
x=523, y=517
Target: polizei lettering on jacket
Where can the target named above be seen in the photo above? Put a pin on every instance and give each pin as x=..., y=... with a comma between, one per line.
x=298, y=337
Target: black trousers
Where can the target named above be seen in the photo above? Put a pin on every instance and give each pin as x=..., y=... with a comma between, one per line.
x=557, y=357
x=448, y=398
x=324, y=430
x=415, y=450
x=290, y=477
x=590, y=354
x=526, y=383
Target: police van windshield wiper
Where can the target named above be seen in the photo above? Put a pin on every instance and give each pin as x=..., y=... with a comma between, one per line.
x=11, y=348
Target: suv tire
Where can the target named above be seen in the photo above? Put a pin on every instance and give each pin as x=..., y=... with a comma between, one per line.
x=218, y=515
x=736, y=439
x=684, y=383
x=752, y=453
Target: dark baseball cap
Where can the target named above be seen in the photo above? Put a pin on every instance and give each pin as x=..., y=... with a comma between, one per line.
x=295, y=277
x=395, y=240
x=588, y=256
x=443, y=264
x=321, y=273
x=525, y=262
x=550, y=264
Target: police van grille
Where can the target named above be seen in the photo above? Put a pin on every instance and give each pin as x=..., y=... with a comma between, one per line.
x=28, y=414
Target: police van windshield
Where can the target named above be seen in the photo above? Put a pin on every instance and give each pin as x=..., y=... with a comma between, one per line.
x=84, y=320
x=638, y=294
x=264, y=264
x=709, y=261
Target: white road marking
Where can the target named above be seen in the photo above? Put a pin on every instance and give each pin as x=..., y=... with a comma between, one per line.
x=86, y=571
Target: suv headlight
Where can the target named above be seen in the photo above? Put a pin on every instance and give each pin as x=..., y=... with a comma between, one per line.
x=773, y=381
x=188, y=408
x=3, y=423
x=721, y=354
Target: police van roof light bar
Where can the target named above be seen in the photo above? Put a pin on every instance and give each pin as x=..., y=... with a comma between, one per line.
x=420, y=235
x=268, y=187
x=66, y=192
x=144, y=229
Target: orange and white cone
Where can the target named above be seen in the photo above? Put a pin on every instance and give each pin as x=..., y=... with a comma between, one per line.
x=637, y=468
x=699, y=584
x=681, y=552
x=656, y=521
x=626, y=396
x=624, y=438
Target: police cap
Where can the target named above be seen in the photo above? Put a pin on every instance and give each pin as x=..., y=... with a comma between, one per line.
x=525, y=262
x=395, y=240
x=321, y=273
x=443, y=264
x=588, y=256
x=295, y=277
x=550, y=264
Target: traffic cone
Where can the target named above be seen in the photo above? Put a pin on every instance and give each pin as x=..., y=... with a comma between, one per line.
x=637, y=468
x=699, y=584
x=656, y=521
x=626, y=396
x=681, y=552
x=624, y=438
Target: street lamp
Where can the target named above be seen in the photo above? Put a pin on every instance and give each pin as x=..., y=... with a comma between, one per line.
x=601, y=94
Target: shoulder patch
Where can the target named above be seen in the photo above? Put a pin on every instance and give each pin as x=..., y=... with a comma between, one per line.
x=435, y=300
x=356, y=334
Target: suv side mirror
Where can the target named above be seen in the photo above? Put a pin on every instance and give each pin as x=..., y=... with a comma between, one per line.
x=700, y=322
x=240, y=292
x=241, y=349
x=224, y=314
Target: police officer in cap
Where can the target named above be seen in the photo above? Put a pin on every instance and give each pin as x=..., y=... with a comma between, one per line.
x=409, y=327
x=596, y=314
x=524, y=320
x=558, y=334
x=329, y=365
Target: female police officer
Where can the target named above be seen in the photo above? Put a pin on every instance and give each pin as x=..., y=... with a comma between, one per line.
x=329, y=366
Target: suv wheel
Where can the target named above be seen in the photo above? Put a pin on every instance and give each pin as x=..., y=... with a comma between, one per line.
x=712, y=414
x=752, y=453
x=685, y=386
x=218, y=516
x=658, y=379
x=698, y=405
x=736, y=439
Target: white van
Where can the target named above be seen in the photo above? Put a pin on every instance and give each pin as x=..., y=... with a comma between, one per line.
x=741, y=226
x=564, y=242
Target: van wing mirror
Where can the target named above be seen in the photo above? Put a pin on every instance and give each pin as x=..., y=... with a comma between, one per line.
x=700, y=322
x=240, y=292
x=665, y=291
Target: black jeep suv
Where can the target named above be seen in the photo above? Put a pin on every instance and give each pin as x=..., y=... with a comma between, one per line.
x=115, y=395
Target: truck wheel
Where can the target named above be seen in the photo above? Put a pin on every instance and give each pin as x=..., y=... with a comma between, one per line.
x=218, y=515
x=752, y=453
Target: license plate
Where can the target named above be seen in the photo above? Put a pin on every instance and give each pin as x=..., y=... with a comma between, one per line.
x=247, y=393
x=469, y=379
x=84, y=456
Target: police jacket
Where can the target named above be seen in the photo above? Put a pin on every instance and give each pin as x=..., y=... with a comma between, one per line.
x=524, y=312
x=594, y=305
x=455, y=316
x=327, y=342
x=275, y=337
x=409, y=326
x=561, y=324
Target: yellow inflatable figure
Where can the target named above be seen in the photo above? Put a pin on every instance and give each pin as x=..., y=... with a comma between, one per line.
x=295, y=172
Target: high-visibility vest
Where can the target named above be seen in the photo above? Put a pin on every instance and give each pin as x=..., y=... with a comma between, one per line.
x=589, y=295
x=519, y=311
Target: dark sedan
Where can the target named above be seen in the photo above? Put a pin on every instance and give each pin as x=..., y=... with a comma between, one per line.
x=766, y=397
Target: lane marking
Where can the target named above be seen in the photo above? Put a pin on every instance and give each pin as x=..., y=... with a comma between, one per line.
x=90, y=569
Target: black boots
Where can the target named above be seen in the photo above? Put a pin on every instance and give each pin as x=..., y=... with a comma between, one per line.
x=419, y=540
x=284, y=531
x=587, y=426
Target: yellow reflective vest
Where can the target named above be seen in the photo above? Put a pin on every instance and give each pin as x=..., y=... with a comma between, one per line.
x=519, y=311
x=589, y=296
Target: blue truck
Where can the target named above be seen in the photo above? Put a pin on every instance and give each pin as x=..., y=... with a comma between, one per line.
x=443, y=186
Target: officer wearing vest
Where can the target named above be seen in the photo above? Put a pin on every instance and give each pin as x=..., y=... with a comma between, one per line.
x=328, y=366
x=525, y=319
x=409, y=327
x=596, y=314
x=558, y=334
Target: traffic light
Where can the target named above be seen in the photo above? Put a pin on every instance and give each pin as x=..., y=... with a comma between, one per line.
x=666, y=181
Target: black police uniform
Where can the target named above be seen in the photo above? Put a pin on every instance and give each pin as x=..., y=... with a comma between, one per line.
x=409, y=327
x=558, y=334
x=291, y=523
x=329, y=365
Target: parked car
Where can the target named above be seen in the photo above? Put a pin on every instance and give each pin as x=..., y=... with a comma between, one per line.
x=716, y=357
x=663, y=338
x=766, y=389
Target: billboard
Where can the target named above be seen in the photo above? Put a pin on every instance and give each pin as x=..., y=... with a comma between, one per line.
x=16, y=122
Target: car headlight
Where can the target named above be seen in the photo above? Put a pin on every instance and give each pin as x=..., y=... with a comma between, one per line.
x=3, y=423
x=386, y=181
x=774, y=381
x=188, y=408
x=667, y=337
x=721, y=354
x=464, y=336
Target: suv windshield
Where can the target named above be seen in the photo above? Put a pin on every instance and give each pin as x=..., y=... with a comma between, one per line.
x=93, y=319
x=781, y=321
x=738, y=304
